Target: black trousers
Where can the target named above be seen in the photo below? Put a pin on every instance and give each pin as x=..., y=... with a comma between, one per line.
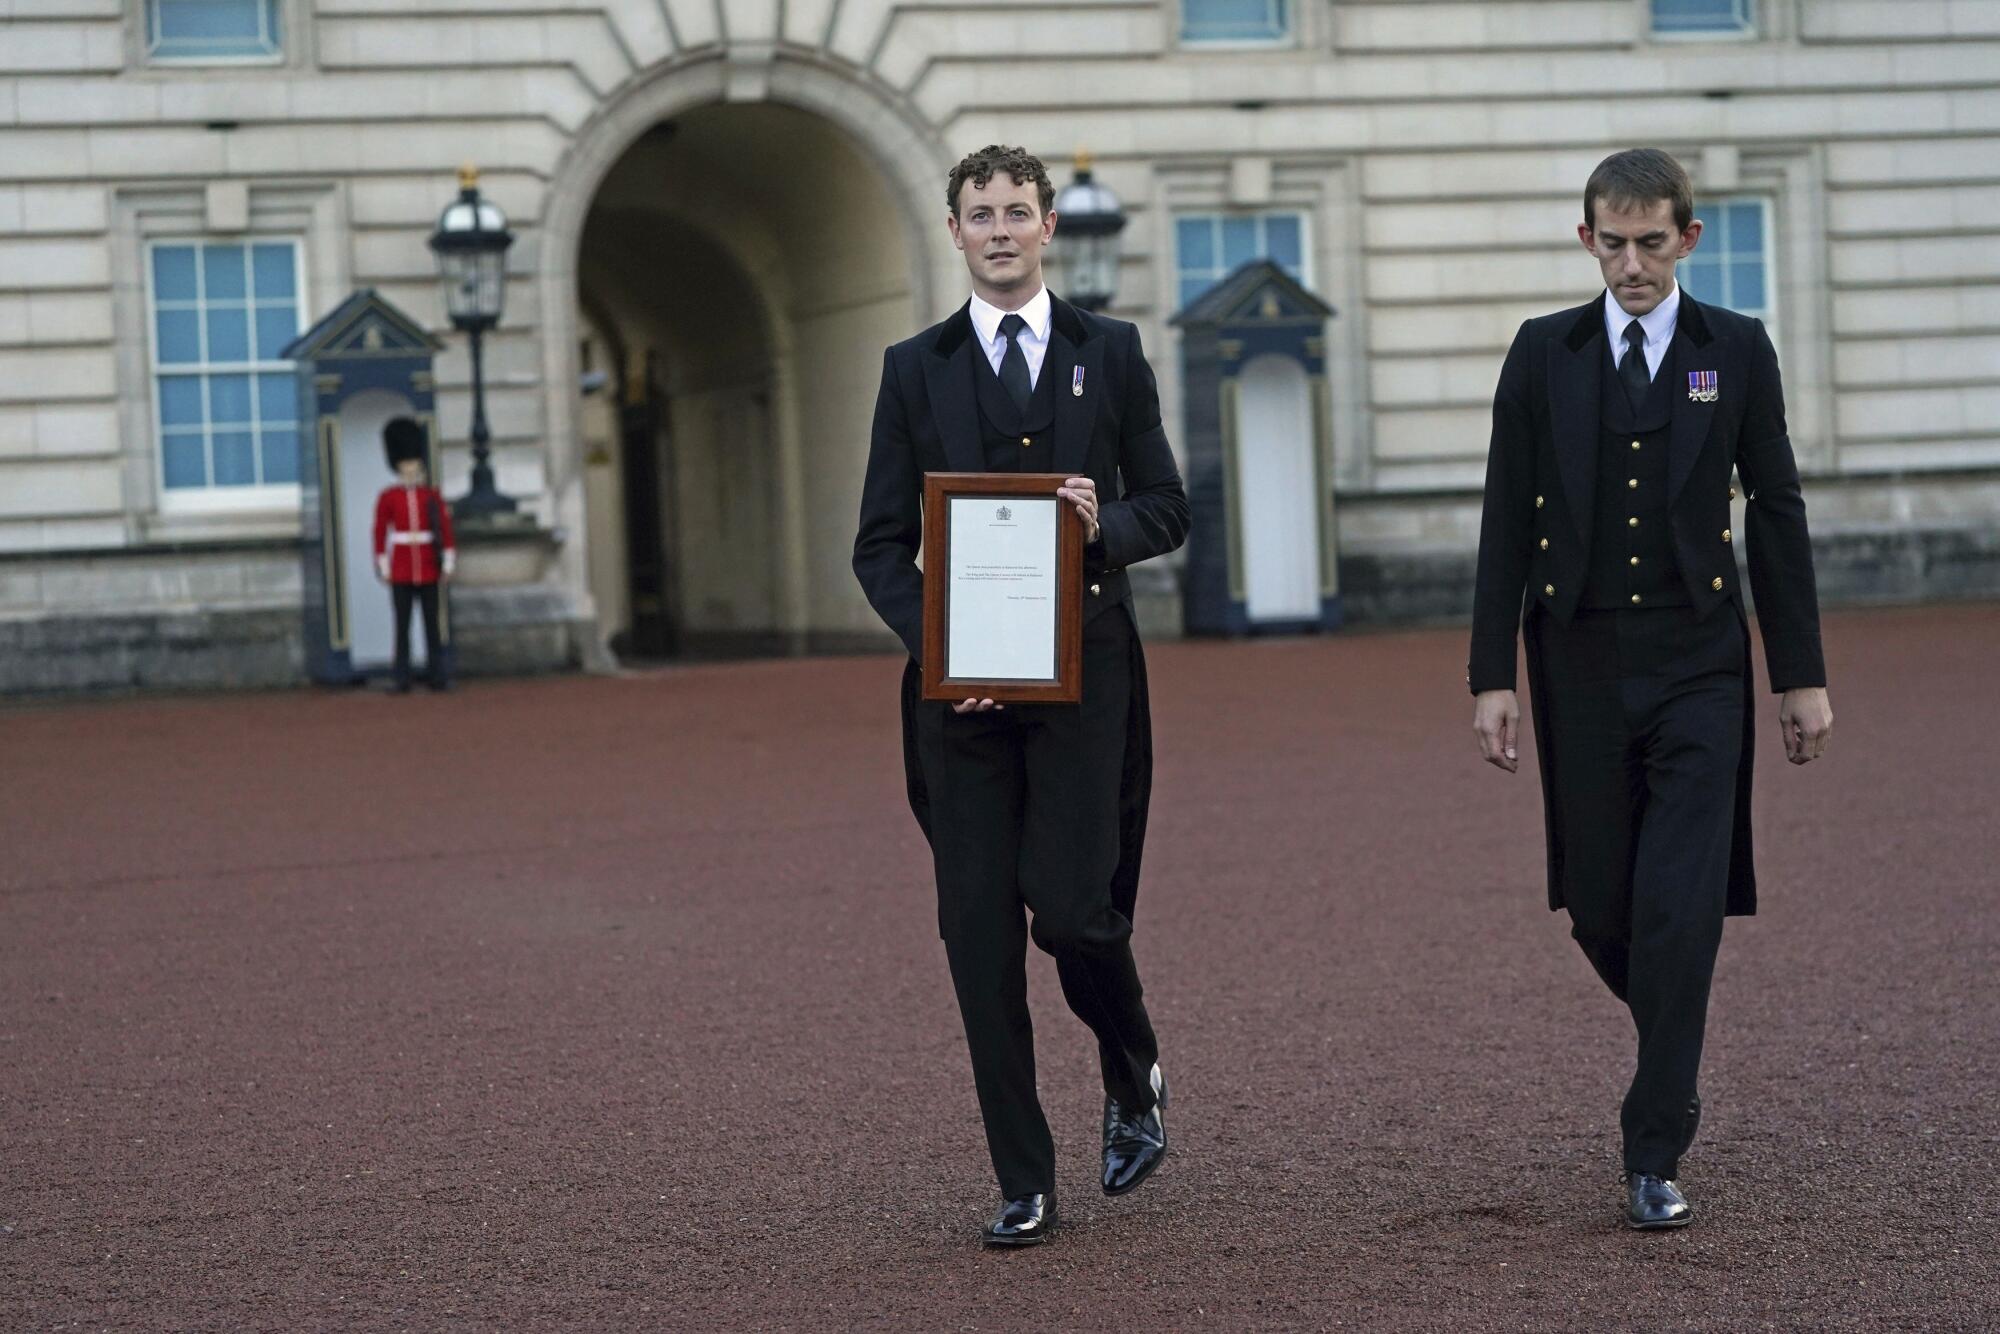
x=1024, y=816
x=425, y=595
x=1646, y=721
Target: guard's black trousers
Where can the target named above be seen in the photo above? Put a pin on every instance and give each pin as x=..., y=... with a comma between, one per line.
x=1024, y=812
x=426, y=596
x=1646, y=720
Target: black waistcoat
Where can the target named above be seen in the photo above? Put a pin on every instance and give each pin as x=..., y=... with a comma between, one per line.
x=1014, y=441
x=1632, y=563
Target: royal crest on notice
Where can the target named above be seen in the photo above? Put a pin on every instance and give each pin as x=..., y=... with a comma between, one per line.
x=1003, y=514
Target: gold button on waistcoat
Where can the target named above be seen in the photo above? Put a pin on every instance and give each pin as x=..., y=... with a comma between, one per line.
x=1093, y=590
x=1632, y=485
x=1732, y=493
x=1717, y=585
x=1632, y=523
x=1726, y=535
x=1545, y=544
x=1635, y=599
x=1635, y=444
x=1548, y=590
x=1027, y=440
x=1635, y=560
x=1538, y=502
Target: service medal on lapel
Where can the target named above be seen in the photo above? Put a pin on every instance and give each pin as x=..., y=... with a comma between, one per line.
x=1076, y=383
x=1701, y=386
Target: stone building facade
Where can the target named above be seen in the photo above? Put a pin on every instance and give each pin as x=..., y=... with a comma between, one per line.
x=726, y=208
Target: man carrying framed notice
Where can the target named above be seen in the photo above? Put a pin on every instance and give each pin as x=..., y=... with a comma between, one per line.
x=1034, y=805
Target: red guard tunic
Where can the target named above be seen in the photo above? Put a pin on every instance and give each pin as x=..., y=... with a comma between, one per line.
x=406, y=544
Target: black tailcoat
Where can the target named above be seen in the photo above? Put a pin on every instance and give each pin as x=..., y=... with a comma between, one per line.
x=1541, y=481
x=927, y=419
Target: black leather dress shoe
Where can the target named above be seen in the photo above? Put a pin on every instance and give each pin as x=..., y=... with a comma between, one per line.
x=1653, y=1203
x=1134, y=1142
x=1025, y=1220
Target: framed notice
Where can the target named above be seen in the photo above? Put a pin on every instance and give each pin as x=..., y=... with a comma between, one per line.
x=1003, y=589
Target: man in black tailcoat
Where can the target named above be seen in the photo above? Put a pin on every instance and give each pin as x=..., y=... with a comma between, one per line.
x=1039, y=807
x=1616, y=428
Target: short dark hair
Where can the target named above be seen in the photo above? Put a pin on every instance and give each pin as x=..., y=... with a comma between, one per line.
x=1639, y=176
x=981, y=167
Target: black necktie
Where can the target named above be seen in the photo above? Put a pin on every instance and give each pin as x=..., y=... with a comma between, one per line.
x=1014, y=377
x=1632, y=370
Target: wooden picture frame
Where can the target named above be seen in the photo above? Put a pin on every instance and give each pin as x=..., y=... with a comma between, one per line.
x=1014, y=593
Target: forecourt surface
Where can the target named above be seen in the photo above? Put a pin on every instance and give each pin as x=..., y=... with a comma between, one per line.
x=593, y=1019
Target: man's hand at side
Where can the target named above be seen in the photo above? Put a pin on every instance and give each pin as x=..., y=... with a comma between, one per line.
x=1496, y=721
x=976, y=706
x=1805, y=716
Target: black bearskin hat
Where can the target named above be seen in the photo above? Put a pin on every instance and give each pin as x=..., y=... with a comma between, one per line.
x=404, y=439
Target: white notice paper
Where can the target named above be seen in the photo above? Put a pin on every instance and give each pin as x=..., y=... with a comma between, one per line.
x=1002, y=612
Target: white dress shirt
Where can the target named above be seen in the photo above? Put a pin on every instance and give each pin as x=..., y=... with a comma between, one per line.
x=1659, y=323
x=1034, y=339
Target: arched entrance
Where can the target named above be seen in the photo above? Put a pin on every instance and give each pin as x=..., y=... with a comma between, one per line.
x=738, y=269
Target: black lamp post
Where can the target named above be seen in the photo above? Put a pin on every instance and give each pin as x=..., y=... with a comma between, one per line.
x=1088, y=220
x=471, y=243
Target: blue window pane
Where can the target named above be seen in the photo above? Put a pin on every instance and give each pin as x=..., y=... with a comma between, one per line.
x=173, y=273
x=1233, y=20
x=1722, y=16
x=207, y=18
x=222, y=273
x=1194, y=242
x=235, y=459
x=1192, y=288
x=1702, y=281
x=228, y=333
x=180, y=400
x=281, y=455
x=1746, y=228
x=277, y=397
x=213, y=27
x=179, y=336
x=229, y=399
x=182, y=461
x=1746, y=285
x=1239, y=242
x=1700, y=274
x=1282, y=244
x=274, y=271
x=275, y=328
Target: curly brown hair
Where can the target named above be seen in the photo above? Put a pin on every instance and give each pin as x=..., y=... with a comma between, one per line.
x=1019, y=163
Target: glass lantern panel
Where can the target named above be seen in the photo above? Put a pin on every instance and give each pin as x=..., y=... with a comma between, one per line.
x=492, y=284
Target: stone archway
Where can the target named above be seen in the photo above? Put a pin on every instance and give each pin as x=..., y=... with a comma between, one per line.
x=763, y=251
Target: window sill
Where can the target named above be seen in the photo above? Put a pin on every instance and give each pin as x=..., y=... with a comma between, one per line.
x=271, y=520
x=1207, y=46
x=1696, y=38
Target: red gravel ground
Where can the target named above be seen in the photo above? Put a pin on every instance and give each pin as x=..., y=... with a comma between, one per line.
x=616, y=1003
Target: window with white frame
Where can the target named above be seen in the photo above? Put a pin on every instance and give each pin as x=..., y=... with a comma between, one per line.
x=225, y=401
x=1208, y=247
x=1235, y=21
x=1704, y=18
x=213, y=30
x=1732, y=266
